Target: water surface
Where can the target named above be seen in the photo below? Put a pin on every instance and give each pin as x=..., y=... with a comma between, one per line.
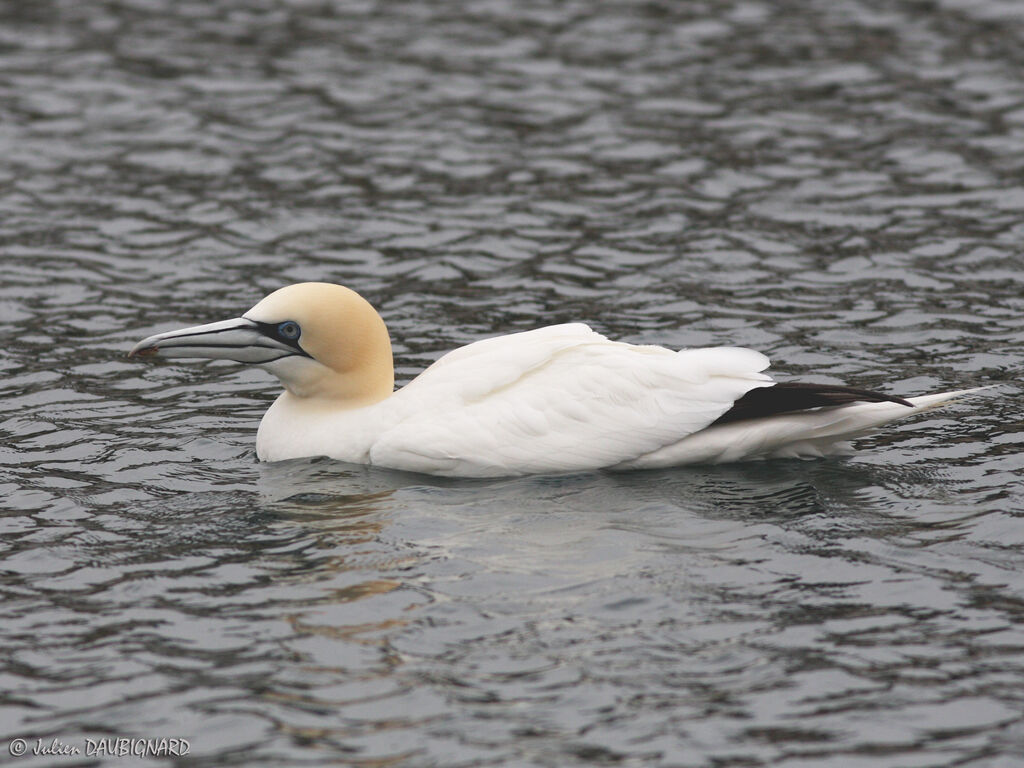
x=835, y=183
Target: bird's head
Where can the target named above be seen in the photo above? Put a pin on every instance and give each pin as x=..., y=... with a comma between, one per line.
x=321, y=340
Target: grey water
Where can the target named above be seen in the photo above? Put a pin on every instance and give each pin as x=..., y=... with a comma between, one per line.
x=837, y=183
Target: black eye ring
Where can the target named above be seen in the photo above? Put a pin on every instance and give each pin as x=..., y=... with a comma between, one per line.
x=289, y=329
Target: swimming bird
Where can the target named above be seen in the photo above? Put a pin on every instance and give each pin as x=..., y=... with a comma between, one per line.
x=557, y=399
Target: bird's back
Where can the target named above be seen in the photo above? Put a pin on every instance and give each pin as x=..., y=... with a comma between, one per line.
x=558, y=399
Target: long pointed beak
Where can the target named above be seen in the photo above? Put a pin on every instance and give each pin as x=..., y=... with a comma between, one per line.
x=238, y=339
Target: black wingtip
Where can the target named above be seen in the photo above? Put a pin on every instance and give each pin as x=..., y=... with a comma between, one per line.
x=790, y=397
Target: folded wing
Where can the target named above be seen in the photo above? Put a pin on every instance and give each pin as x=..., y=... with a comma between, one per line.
x=559, y=399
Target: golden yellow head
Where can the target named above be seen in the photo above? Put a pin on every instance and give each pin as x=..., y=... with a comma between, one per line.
x=341, y=331
x=323, y=341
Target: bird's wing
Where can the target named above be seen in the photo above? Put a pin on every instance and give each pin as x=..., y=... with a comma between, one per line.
x=559, y=399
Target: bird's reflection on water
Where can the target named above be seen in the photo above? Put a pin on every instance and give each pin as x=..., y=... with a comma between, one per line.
x=554, y=521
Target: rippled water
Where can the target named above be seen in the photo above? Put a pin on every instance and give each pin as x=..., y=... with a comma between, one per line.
x=835, y=182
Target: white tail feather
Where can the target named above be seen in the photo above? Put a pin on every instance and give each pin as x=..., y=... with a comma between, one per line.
x=803, y=434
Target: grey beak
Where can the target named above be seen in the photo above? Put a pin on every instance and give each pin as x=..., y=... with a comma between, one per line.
x=238, y=339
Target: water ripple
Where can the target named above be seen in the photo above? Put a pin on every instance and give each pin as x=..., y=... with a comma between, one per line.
x=839, y=187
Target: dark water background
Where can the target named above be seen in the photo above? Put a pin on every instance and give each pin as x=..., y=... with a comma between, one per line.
x=839, y=183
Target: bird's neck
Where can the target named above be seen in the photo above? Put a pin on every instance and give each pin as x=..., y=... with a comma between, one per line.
x=357, y=386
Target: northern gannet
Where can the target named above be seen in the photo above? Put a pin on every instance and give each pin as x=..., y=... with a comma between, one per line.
x=557, y=399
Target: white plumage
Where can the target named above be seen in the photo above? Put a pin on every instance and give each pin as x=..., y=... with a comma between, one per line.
x=557, y=399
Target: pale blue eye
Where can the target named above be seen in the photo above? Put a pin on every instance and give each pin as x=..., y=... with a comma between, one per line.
x=289, y=329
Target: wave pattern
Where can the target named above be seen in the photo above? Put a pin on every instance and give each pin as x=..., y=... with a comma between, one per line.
x=836, y=183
